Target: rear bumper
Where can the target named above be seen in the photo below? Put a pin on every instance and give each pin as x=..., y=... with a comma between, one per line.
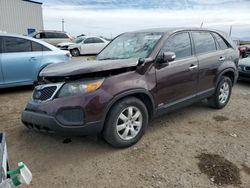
x=49, y=124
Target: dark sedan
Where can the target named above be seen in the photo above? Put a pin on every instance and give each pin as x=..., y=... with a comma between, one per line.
x=244, y=69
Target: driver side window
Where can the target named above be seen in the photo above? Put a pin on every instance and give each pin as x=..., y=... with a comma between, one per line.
x=180, y=44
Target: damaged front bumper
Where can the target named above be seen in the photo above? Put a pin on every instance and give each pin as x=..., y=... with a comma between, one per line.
x=49, y=124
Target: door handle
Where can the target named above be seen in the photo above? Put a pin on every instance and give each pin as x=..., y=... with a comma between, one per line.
x=33, y=59
x=192, y=67
x=222, y=59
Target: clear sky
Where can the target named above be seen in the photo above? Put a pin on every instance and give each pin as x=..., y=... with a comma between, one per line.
x=109, y=18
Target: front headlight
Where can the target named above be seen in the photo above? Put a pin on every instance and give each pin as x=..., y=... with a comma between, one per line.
x=76, y=88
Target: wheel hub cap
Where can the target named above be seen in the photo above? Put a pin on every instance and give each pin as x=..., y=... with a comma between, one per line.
x=129, y=123
x=224, y=93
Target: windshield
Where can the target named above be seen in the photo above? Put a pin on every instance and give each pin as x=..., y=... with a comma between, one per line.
x=131, y=45
x=78, y=40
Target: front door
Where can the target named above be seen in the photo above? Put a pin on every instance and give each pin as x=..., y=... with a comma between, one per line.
x=177, y=80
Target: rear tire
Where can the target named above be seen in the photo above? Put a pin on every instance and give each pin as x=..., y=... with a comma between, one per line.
x=126, y=122
x=75, y=52
x=222, y=93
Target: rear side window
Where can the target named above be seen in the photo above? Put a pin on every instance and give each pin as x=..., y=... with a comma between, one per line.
x=204, y=42
x=179, y=44
x=97, y=40
x=13, y=44
x=61, y=35
x=50, y=35
x=222, y=44
x=88, y=41
x=36, y=47
x=93, y=40
x=1, y=48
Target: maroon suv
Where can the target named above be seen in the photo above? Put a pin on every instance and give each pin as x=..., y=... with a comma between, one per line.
x=138, y=76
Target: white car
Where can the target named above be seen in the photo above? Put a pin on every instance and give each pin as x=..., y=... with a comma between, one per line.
x=89, y=45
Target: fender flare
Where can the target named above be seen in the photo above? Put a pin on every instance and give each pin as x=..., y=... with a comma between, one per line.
x=127, y=94
x=223, y=72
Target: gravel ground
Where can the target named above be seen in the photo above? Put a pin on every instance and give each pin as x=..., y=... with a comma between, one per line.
x=165, y=157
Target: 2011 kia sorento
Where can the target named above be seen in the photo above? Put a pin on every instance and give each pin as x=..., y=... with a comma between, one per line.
x=136, y=77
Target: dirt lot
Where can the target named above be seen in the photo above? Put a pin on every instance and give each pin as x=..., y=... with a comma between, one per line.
x=165, y=157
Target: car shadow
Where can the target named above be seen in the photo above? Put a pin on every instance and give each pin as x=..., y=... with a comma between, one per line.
x=16, y=89
x=243, y=83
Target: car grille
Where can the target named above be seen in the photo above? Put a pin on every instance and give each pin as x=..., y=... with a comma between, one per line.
x=45, y=92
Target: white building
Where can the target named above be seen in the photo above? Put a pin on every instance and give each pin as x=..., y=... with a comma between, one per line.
x=20, y=16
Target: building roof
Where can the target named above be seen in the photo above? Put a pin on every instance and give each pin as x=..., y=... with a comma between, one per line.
x=40, y=3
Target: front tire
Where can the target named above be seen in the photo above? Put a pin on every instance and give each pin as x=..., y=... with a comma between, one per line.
x=222, y=94
x=75, y=52
x=126, y=122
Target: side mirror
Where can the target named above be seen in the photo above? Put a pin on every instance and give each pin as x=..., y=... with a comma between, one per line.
x=168, y=57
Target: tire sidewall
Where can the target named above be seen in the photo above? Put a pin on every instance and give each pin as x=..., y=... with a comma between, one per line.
x=110, y=132
x=222, y=81
x=75, y=54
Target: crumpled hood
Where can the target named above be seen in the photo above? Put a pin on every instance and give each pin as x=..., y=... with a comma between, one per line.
x=84, y=67
x=245, y=62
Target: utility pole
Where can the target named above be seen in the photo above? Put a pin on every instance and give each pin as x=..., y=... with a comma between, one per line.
x=201, y=25
x=63, y=24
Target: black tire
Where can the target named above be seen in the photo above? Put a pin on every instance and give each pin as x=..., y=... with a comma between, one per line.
x=75, y=52
x=214, y=100
x=110, y=132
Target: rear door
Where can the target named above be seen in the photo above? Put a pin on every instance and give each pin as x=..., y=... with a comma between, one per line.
x=1, y=72
x=209, y=57
x=99, y=44
x=178, y=80
x=19, y=63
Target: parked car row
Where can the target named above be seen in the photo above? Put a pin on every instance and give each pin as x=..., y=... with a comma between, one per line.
x=136, y=77
x=22, y=58
x=82, y=45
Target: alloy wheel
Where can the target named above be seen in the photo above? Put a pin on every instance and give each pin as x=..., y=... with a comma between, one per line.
x=224, y=93
x=129, y=123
